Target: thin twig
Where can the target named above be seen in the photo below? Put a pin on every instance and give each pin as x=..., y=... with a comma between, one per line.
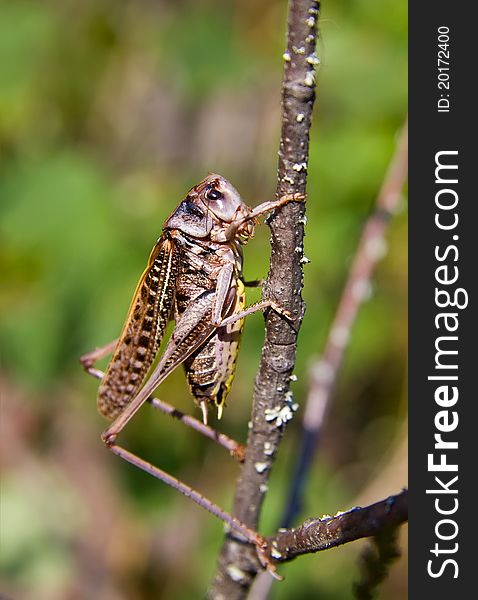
x=315, y=535
x=272, y=404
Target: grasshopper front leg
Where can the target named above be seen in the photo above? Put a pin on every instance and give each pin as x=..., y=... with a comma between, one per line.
x=260, y=210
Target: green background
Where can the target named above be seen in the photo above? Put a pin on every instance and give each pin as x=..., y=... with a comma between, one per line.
x=109, y=112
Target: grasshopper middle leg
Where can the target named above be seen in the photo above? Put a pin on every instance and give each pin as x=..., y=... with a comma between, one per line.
x=236, y=449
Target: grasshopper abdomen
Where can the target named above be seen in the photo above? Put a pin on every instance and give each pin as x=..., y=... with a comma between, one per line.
x=211, y=369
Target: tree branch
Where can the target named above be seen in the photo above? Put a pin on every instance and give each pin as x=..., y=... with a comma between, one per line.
x=315, y=535
x=273, y=404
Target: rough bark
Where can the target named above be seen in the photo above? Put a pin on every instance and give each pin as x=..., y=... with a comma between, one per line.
x=273, y=404
x=315, y=535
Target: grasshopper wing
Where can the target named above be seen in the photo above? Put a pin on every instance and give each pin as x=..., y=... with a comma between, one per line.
x=193, y=329
x=143, y=331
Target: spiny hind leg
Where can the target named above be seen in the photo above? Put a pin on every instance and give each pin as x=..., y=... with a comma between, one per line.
x=237, y=527
x=236, y=450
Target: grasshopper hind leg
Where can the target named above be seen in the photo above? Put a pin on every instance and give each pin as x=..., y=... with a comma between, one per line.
x=237, y=526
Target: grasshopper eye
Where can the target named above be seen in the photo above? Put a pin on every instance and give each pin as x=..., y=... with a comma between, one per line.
x=213, y=195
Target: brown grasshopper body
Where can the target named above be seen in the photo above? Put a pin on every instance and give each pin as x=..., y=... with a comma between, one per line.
x=194, y=275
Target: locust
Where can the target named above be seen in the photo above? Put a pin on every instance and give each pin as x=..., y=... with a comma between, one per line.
x=194, y=276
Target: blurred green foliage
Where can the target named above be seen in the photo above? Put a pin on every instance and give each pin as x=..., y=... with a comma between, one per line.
x=109, y=112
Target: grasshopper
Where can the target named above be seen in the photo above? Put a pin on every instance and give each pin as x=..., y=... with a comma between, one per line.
x=194, y=275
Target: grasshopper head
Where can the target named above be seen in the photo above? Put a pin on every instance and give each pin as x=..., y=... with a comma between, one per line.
x=213, y=208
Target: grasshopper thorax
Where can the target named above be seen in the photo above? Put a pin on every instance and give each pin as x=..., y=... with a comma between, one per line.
x=214, y=210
